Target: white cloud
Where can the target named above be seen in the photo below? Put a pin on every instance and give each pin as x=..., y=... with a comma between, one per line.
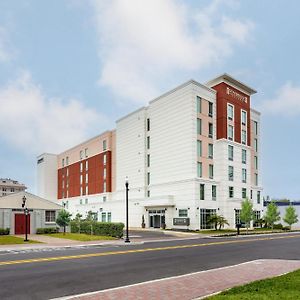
x=286, y=102
x=141, y=42
x=35, y=123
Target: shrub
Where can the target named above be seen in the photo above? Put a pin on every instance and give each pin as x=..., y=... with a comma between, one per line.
x=4, y=231
x=98, y=228
x=278, y=226
x=47, y=230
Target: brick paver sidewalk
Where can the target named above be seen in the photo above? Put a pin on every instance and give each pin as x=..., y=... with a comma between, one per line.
x=196, y=285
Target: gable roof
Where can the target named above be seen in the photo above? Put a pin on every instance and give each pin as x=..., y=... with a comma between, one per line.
x=32, y=201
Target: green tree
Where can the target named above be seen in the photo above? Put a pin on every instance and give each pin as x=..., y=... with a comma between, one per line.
x=78, y=220
x=290, y=216
x=63, y=219
x=247, y=212
x=272, y=214
x=222, y=222
x=213, y=219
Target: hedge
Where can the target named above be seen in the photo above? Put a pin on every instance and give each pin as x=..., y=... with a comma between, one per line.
x=4, y=231
x=47, y=230
x=98, y=228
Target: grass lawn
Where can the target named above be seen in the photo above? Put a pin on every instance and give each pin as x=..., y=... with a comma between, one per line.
x=12, y=240
x=282, y=287
x=212, y=231
x=80, y=237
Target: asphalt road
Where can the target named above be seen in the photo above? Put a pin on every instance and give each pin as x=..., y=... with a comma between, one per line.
x=45, y=275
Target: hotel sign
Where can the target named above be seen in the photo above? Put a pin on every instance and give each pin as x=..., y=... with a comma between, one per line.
x=236, y=95
x=181, y=221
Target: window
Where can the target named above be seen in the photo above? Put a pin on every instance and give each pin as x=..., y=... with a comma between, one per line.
x=104, y=159
x=86, y=152
x=210, y=130
x=244, y=137
x=104, y=198
x=67, y=171
x=230, y=152
x=199, y=126
x=244, y=193
x=86, y=189
x=86, y=165
x=211, y=171
x=67, y=160
x=63, y=162
x=199, y=148
x=104, y=187
x=244, y=175
x=230, y=111
x=210, y=109
x=256, y=179
x=104, y=173
x=148, y=160
x=255, y=162
x=81, y=167
x=81, y=191
x=148, y=193
x=251, y=194
x=231, y=191
x=237, y=216
x=230, y=173
x=81, y=179
x=148, y=142
x=255, y=127
x=103, y=217
x=109, y=217
x=12, y=190
x=50, y=216
x=255, y=145
x=199, y=104
x=199, y=169
x=244, y=156
x=104, y=145
x=205, y=214
x=214, y=192
x=81, y=154
x=230, y=132
x=182, y=213
x=202, y=191
x=210, y=151
x=86, y=200
x=258, y=197
x=148, y=124
x=244, y=117
x=148, y=178
x=256, y=218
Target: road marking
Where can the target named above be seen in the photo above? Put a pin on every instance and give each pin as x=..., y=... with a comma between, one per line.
x=80, y=256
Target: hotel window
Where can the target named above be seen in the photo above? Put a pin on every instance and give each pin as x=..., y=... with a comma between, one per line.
x=182, y=213
x=81, y=154
x=67, y=194
x=230, y=132
x=81, y=191
x=210, y=151
x=230, y=111
x=244, y=175
x=244, y=117
x=50, y=216
x=255, y=145
x=199, y=106
x=244, y=137
x=199, y=169
x=104, y=198
x=86, y=165
x=255, y=162
x=244, y=193
x=67, y=171
x=81, y=179
x=210, y=109
x=63, y=162
x=148, y=178
x=86, y=152
x=103, y=217
x=63, y=184
x=86, y=200
x=210, y=130
x=202, y=191
x=148, y=193
x=214, y=192
x=81, y=167
x=211, y=171
x=199, y=126
x=230, y=173
x=148, y=124
x=256, y=179
x=230, y=152
x=199, y=148
x=109, y=217
x=148, y=142
x=86, y=178
x=86, y=189
x=251, y=194
x=230, y=191
x=258, y=197
x=104, y=173
x=148, y=160
x=67, y=160
x=67, y=182
x=104, y=187
x=80, y=201
x=104, y=145
x=255, y=127
x=244, y=156
x=104, y=159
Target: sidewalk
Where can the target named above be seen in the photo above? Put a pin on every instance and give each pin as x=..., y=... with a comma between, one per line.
x=196, y=285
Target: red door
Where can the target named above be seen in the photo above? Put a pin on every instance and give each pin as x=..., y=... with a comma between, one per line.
x=20, y=224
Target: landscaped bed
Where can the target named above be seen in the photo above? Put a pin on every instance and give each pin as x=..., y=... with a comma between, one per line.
x=282, y=287
x=12, y=240
x=80, y=237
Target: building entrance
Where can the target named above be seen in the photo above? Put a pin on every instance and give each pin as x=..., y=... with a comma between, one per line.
x=156, y=218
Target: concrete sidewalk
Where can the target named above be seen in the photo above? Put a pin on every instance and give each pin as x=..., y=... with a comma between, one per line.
x=196, y=285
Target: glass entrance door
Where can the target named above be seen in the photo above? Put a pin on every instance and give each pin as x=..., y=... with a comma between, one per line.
x=156, y=218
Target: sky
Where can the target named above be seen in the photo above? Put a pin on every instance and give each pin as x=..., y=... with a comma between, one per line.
x=69, y=69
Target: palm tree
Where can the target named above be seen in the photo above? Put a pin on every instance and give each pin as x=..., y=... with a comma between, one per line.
x=213, y=219
x=222, y=222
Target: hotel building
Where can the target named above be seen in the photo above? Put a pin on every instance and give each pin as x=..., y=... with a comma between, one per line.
x=191, y=152
x=9, y=186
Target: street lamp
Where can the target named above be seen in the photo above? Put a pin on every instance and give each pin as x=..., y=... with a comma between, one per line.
x=26, y=217
x=127, y=189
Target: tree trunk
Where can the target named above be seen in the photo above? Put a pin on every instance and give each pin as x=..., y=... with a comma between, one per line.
x=64, y=230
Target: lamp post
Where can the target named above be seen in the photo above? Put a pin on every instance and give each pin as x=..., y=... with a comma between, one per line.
x=127, y=189
x=26, y=217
